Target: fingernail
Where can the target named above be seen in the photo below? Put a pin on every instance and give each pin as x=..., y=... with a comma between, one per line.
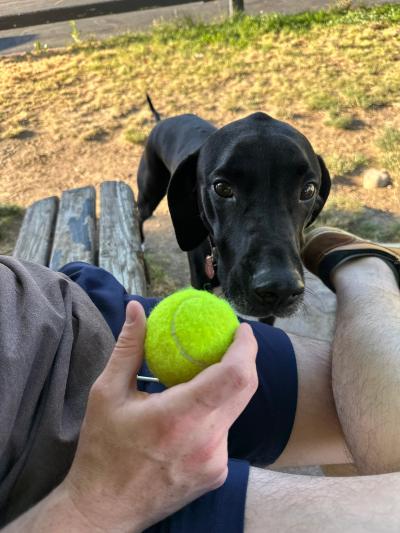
x=131, y=314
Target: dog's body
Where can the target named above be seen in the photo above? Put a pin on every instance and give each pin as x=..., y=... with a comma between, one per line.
x=247, y=189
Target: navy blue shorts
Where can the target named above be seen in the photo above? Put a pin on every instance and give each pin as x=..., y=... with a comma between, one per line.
x=257, y=437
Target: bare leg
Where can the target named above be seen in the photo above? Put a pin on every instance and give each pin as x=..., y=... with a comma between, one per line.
x=366, y=374
x=366, y=377
x=366, y=363
x=317, y=437
x=284, y=503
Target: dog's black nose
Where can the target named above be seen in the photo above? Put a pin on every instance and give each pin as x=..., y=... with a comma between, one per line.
x=273, y=292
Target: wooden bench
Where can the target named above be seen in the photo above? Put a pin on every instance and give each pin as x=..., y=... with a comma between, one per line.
x=55, y=232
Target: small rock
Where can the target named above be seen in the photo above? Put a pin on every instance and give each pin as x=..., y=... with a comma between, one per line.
x=374, y=179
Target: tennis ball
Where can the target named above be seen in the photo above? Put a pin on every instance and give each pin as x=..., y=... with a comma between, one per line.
x=186, y=332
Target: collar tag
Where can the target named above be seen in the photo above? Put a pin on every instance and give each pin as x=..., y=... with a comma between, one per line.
x=209, y=266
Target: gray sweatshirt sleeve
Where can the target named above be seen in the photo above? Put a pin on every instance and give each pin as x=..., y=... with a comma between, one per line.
x=53, y=344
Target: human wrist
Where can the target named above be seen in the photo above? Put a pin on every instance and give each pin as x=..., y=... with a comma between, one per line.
x=58, y=508
x=365, y=271
x=64, y=504
x=97, y=513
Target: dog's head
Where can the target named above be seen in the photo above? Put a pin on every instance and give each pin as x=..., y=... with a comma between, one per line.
x=254, y=185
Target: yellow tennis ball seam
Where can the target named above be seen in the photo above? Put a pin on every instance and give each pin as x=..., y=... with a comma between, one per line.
x=181, y=349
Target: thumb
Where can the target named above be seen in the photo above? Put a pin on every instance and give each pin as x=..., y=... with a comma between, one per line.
x=127, y=356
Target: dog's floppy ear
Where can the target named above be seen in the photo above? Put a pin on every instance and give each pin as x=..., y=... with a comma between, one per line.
x=183, y=204
x=323, y=193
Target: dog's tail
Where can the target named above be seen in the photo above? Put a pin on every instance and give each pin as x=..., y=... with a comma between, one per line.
x=154, y=111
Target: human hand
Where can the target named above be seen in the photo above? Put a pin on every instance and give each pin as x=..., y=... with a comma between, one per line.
x=141, y=457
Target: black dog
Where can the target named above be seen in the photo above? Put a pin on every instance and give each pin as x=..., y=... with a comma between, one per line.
x=247, y=191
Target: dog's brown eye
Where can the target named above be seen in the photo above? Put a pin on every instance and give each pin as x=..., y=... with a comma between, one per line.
x=308, y=191
x=223, y=189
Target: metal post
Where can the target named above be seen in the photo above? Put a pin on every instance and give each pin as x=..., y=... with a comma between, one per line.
x=235, y=6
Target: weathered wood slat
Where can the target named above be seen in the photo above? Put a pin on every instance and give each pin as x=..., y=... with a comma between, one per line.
x=36, y=233
x=74, y=238
x=119, y=238
x=90, y=9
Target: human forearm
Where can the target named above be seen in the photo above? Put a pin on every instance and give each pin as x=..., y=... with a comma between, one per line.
x=283, y=503
x=57, y=511
x=366, y=364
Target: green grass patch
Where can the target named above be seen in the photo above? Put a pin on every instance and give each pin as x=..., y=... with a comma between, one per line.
x=75, y=34
x=10, y=221
x=389, y=145
x=345, y=166
x=7, y=211
x=369, y=223
x=321, y=101
x=390, y=140
x=39, y=47
x=136, y=136
x=341, y=121
x=240, y=31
